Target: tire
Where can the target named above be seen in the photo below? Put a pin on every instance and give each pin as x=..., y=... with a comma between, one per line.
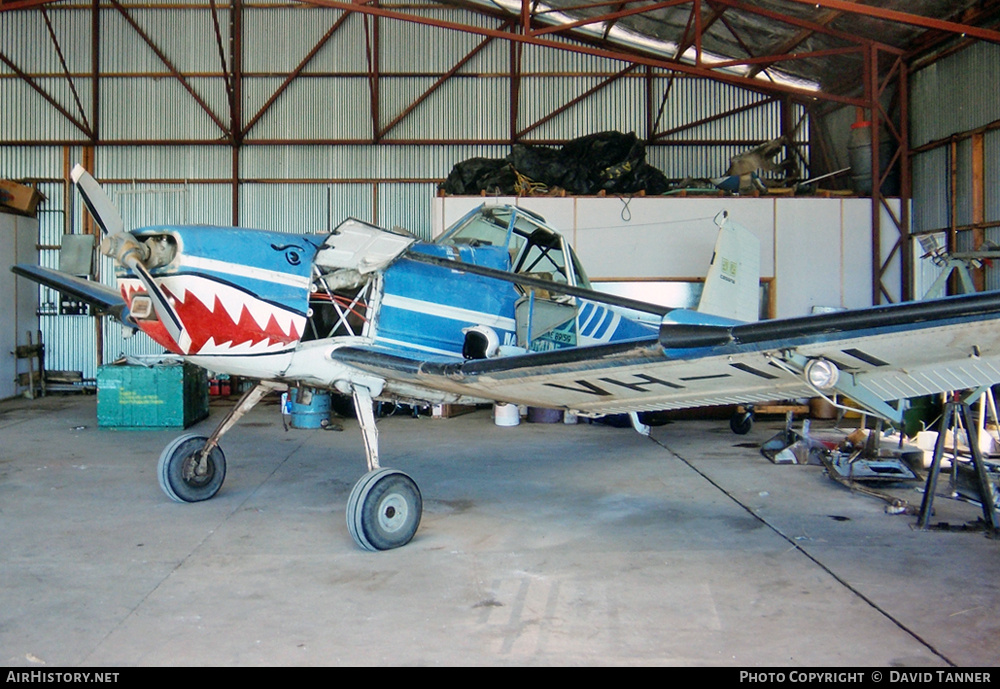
x=740, y=423
x=384, y=510
x=176, y=465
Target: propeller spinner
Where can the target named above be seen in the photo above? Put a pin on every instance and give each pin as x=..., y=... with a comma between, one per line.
x=129, y=252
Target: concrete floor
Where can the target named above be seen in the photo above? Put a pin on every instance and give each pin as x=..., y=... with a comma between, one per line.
x=541, y=544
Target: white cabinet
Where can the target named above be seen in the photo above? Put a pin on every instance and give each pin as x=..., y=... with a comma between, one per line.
x=18, y=297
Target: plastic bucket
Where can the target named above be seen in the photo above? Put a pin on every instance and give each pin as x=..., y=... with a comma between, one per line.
x=506, y=414
x=543, y=415
x=315, y=414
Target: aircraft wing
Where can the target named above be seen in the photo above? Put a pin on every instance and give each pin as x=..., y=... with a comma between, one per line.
x=880, y=354
x=102, y=297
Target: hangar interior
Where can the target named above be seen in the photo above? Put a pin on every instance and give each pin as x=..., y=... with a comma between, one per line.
x=870, y=132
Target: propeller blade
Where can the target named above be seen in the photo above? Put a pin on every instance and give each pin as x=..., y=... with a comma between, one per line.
x=97, y=201
x=164, y=311
x=111, y=223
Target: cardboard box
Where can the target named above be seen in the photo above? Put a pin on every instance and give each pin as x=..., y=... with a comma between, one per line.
x=19, y=198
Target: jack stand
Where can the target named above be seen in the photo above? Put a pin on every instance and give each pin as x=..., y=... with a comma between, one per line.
x=958, y=412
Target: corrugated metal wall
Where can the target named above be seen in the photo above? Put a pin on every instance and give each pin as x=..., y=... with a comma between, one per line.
x=165, y=163
x=952, y=100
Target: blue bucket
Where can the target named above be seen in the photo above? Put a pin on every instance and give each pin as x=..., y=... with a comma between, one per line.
x=316, y=414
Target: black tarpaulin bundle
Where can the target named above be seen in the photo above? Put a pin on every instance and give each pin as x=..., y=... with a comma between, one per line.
x=611, y=162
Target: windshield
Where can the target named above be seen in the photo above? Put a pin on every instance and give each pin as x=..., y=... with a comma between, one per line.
x=534, y=248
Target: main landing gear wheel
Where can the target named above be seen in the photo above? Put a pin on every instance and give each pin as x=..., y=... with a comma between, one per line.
x=384, y=509
x=180, y=476
x=741, y=422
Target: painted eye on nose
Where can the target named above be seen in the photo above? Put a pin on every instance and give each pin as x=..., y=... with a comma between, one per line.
x=293, y=254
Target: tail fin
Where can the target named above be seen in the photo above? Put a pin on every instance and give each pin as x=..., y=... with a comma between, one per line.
x=732, y=287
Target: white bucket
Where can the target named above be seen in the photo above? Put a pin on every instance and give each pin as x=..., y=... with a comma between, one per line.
x=506, y=414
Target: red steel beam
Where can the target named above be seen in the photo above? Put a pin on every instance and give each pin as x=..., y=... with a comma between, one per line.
x=44, y=94
x=436, y=85
x=170, y=66
x=610, y=16
x=295, y=73
x=583, y=96
x=612, y=54
x=905, y=18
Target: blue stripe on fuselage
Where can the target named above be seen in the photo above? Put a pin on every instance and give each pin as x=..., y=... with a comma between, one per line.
x=427, y=306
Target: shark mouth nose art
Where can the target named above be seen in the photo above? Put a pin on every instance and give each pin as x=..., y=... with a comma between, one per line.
x=219, y=319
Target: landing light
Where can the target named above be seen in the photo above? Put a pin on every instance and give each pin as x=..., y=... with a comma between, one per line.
x=822, y=374
x=141, y=307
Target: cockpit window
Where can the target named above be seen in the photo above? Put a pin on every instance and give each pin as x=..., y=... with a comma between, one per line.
x=534, y=248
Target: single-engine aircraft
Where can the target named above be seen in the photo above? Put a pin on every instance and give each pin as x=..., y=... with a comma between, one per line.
x=498, y=309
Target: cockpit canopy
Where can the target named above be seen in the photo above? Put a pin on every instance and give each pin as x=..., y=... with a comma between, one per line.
x=534, y=248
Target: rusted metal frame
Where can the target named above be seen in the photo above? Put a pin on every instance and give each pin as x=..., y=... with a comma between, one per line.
x=295, y=73
x=718, y=116
x=978, y=193
x=24, y=4
x=686, y=41
x=877, y=100
x=696, y=13
x=874, y=88
x=170, y=66
x=682, y=45
x=637, y=57
x=819, y=140
x=106, y=143
x=515, y=51
x=62, y=61
x=44, y=94
x=871, y=88
x=732, y=31
x=95, y=69
x=226, y=78
x=236, y=61
x=794, y=42
x=578, y=99
x=437, y=84
x=601, y=18
x=706, y=24
x=800, y=23
x=938, y=143
x=589, y=6
x=372, y=59
x=905, y=180
x=901, y=156
x=648, y=79
x=774, y=57
x=789, y=130
x=905, y=18
x=922, y=52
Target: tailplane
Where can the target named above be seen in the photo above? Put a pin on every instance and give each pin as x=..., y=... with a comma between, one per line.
x=732, y=287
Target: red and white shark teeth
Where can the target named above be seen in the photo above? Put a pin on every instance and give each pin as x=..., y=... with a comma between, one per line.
x=220, y=319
